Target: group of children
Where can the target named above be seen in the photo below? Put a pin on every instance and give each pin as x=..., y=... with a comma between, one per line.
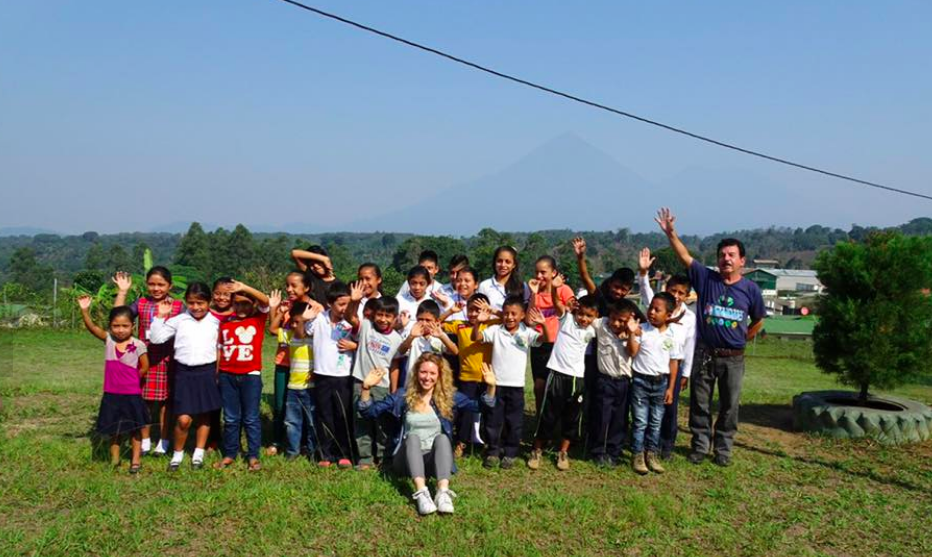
x=595, y=359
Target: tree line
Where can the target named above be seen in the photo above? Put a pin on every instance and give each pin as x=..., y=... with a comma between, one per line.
x=28, y=264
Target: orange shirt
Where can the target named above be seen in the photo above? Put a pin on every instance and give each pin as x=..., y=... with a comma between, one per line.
x=544, y=303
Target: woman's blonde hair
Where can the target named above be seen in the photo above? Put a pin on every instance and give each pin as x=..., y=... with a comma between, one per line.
x=443, y=389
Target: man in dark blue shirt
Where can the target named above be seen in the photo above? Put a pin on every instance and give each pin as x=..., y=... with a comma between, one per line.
x=729, y=312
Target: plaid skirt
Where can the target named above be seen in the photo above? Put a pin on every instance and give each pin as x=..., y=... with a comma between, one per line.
x=155, y=385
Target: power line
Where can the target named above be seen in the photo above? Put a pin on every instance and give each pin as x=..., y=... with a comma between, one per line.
x=600, y=106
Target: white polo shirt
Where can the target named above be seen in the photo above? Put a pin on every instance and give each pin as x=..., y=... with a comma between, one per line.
x=510, y=352
x=496, y=292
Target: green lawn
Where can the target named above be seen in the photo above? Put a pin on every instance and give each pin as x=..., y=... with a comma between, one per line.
x=786, y=494
x=790, y=324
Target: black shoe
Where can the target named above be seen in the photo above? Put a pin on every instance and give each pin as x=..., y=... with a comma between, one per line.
x=695, y=457
x=491, y=462
x=173, y=466
x=604, y=461
x=666, y=454
x=722, y=460
x=508, y=463
x=197, y=465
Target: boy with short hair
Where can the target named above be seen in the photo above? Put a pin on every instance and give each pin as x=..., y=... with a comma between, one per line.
x=511, y=348
x=378, y=349
x=299, y=393
x=563, y=396
x=431, y=262
x=426, y=335
x=684, y=327
x=333, y=362
x=656, y=354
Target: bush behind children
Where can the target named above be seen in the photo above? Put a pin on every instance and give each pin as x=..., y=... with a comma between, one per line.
x=362, y=379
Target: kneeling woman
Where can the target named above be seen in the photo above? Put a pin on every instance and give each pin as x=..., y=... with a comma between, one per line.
x=424, y=410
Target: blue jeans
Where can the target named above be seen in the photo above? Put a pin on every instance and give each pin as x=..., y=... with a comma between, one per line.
x=647, y=404
x=241, y=395
x=299, y=418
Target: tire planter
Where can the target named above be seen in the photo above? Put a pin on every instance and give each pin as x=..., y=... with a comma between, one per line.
x=890, y=420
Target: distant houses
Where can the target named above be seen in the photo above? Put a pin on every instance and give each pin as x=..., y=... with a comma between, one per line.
x=774, y=281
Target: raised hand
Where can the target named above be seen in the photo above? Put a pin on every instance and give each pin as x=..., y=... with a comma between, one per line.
x=123, y=281
x=483, y=306
x=666, y=220
x=312, y=310
x=436, y=330
x=373, y=378
x=237, y=286
x=357, y=290
x=441, y=297
x=645, y=260
x=488, y=374
x=579, y=246
x=632, y=327
x=535, y=317
x=534, y=285
x=165, y=308
x=559, y=280
x=417, y=330
x=275, y=299
x=84, y=302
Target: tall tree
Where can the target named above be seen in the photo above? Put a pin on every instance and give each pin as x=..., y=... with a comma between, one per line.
x=194, y=251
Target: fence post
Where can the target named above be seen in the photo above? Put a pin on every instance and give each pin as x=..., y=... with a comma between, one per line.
x=54, y=301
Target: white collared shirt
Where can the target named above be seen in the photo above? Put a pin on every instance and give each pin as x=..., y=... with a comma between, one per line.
x=195, y=339
x=496, y=292
x=684, y=329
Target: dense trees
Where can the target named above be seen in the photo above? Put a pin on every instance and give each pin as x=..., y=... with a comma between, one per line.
x=89, y=258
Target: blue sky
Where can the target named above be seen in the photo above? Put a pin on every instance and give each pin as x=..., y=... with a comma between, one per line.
x=254, y=111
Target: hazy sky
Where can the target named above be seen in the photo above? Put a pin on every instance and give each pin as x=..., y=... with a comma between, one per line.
x=119, y=115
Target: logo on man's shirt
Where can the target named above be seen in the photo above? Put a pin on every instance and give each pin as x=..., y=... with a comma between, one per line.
x=724, y=314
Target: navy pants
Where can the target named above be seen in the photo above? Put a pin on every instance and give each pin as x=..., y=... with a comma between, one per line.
x=504, y=421
x=465, y=420
x=608, y=415
x=668, y=427
x=241, y=395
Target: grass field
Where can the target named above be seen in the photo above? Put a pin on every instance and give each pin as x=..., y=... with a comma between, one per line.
x=786, y=494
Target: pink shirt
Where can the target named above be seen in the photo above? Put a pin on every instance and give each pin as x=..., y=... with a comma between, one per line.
x=121, y=369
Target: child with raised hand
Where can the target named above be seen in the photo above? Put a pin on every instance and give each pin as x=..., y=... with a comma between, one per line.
x=471, y=354
x=611, y=392
x=240, y=365
x=563, y=396
x=512, y=343
x=506, y=278
x=424, y=336
x=297, y=290
x=684, y=327
x=418, y=281
x=378, y=349
x=612, y=289
x=122, y=410
x=195, y=393
x=542, y=297
x=155, y=388
x=333, y=383
x=318, y=268
x=299, y=400
x=221, y=301
x=656, y=352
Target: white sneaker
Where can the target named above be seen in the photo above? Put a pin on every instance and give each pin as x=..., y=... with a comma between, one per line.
x=444, y=501
x=425, y=505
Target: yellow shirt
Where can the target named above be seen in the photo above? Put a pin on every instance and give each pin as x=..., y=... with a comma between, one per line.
x=472, y=353
x=302, y=359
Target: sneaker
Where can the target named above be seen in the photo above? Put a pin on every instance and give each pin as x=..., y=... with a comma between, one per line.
x=653, y=463
x=324, y=464
x=444, y=501
x=533, y=462
x=722, y=460
x=158, y=451
x=173, y=466
x=638, y=464
x=345, y=463
x=197, y=464
x=425, y=505
x=695, y=457
x=563, y=461
x=459, y=450
x=508, y=463
x=491, y=461
x=666, y=454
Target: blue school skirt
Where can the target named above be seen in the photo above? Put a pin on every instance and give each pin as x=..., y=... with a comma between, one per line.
x=195, y=390
x=121, y=414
